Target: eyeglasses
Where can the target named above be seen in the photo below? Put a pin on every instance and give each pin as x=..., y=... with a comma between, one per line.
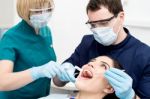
x=100, y=23
x=36, y=11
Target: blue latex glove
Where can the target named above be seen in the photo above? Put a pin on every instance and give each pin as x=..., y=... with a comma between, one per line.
x=67, y=72
x=50, y=70
x=121, y=82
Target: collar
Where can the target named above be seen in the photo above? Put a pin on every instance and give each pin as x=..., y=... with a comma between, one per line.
x=27, y=27
x=123, y=43
x=118, y=46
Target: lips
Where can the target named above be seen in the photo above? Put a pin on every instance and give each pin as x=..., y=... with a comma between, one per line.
x=87, y=74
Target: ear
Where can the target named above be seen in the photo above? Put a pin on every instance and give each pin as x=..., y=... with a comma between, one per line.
x=121, y=16
x=108, y=89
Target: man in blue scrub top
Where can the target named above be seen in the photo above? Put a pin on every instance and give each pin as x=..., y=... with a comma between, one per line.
x=109, y=37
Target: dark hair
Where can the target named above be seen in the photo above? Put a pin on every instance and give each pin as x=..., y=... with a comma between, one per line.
x=113, y=6
x=115, y=62
x=116, y=65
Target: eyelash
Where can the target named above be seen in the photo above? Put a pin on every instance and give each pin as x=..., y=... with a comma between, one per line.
x=103, y=65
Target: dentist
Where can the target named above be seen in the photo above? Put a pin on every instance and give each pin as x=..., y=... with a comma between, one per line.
x=106, y=19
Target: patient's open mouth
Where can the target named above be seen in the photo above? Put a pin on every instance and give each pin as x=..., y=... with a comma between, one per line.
x=87, y=74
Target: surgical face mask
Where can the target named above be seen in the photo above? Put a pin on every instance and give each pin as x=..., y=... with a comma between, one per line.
x=40, y=20
x=105, y=35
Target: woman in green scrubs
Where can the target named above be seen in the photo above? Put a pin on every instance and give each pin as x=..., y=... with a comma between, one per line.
x=26, y=53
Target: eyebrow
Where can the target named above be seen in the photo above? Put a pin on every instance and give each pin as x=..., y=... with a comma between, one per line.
x=106, y=63
x=93, y=60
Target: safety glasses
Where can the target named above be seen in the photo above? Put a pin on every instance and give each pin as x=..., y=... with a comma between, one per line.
x=36, y=11
x=99, y=23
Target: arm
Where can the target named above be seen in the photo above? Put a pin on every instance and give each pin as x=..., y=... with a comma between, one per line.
x=75, y=59
x=11, y=81
x=144, y=84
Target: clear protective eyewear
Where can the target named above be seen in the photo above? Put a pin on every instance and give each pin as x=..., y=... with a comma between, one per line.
x=99, y=23
x=43, y=10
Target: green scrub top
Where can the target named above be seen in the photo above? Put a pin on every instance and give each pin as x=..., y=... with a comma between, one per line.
x=26, y=49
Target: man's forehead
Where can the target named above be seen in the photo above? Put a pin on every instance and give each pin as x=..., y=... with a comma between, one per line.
x=102, y=13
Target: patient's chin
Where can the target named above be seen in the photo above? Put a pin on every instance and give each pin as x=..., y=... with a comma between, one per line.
x=88, y=86
x=80, y=85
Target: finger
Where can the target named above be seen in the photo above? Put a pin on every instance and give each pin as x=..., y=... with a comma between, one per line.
x=116, y=88
x=115, y=76
x=112, y=81
x=57, y=69
x=119, y=72
x=71, y=78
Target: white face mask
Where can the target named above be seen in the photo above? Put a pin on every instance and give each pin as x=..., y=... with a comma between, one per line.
x=105, y=35
x=40, y=20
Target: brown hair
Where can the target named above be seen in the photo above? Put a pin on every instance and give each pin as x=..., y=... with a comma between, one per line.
x=113, y=6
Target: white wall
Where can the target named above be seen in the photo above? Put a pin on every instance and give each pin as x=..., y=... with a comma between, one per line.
x=138, y=12
x=68, y=26
x=69, y=17
x=6, y=13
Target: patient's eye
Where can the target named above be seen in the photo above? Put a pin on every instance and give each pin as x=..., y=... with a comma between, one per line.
x=102, y=24
x=103, y=65
x=90, y=65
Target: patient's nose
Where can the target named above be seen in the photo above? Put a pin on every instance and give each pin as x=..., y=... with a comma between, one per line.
x=91, y=65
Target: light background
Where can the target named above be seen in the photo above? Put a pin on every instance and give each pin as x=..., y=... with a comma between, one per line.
x=68, y=22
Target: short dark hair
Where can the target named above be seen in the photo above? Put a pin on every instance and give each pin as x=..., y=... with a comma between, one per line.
x=113, y=6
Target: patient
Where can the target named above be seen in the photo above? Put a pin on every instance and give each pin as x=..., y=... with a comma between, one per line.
x=91, y=81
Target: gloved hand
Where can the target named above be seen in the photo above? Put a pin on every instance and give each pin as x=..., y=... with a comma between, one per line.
x=121, y=82
x=67, y=72
x=50, y=70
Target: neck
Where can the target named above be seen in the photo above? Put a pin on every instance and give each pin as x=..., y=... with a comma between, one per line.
x=86, y=95
x=121, y=36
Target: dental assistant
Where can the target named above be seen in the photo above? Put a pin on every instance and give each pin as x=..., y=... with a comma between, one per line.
x=106, y=18
x=26, y=53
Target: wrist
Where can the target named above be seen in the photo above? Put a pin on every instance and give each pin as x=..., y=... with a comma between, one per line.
x=36, y=73
x=130, y=95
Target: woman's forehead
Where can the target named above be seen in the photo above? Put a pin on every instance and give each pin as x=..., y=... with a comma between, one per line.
x=105, y=59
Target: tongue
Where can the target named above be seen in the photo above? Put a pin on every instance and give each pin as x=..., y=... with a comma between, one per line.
x=88, y=74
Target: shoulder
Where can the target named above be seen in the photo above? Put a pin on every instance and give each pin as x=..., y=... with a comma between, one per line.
x=141, y=46
x=14, y=30
x=142, y=54
x=85, y=43
x=11, y=35
x=87, y=40
x=143, y=49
